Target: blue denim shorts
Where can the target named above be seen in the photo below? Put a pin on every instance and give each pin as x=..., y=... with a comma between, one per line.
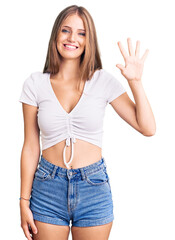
x=81, y=197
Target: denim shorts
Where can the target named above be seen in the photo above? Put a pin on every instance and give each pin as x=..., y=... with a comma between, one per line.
x=81, y=197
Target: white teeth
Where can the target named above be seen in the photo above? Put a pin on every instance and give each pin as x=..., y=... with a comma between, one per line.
x=70, y=46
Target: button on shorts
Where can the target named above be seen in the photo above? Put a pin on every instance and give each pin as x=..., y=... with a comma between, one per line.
x=81, y=197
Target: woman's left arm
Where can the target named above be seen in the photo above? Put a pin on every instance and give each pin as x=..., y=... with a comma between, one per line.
x=139, y=114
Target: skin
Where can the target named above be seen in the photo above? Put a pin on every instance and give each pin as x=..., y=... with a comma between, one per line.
x=139, y=115
x=64, y=86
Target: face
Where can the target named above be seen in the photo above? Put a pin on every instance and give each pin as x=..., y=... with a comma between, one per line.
x=71, y=39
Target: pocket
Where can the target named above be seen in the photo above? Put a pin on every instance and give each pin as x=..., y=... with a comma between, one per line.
x=108, y=181
x=97, y=178
x=42, y=174
x=109, y=184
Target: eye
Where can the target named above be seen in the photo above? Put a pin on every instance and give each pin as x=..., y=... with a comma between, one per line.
x=64, y=30
x=83, y=34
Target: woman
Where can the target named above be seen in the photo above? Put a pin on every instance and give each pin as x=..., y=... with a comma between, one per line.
x=66, y=103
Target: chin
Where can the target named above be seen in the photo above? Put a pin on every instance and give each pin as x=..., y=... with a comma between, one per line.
x=71, y=55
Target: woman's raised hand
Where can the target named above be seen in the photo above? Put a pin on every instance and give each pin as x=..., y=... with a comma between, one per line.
x=133, y=64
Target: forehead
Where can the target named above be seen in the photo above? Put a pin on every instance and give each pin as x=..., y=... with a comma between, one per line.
x=74, y=21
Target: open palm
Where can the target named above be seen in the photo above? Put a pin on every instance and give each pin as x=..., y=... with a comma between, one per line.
x=133, y=64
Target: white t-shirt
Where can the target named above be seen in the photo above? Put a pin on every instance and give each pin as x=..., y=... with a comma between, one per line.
x=84, y=122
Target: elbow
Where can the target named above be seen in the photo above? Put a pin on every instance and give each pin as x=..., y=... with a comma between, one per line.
x=149, y=133
x=32, y=149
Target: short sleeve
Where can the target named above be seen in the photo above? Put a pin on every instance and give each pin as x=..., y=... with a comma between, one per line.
x=28, y=94
x=114, y=89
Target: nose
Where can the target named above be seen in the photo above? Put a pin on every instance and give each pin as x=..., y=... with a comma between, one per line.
x=71, y=37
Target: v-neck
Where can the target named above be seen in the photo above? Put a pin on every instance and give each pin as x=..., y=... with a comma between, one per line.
x=61, y=107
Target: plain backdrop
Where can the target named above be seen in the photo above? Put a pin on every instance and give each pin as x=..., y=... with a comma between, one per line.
x=141, y=169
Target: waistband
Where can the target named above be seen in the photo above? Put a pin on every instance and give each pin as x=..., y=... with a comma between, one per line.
x=83, y=171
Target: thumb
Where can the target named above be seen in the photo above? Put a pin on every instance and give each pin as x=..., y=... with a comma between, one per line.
x=120, y=66
x=33, y=226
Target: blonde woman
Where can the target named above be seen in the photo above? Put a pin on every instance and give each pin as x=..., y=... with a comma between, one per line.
x=65, y=105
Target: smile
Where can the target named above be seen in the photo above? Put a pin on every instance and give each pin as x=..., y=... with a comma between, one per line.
x=69, y=47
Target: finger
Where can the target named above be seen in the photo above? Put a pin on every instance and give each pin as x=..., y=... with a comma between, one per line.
x=26, y=232
x=120, y=66
x=122, y=50
x=30, y=230
x=130, y=48
x=145, y=55
x=33, y=227
x=31, y=233
x=137, y=51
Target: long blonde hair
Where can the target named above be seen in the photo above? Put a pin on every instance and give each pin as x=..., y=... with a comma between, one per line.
x=90, y=59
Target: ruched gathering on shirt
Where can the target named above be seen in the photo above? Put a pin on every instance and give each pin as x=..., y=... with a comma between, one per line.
x=84, y=122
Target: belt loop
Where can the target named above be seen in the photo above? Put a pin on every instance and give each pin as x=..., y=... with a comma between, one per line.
x=54, y=171
x=82, y=173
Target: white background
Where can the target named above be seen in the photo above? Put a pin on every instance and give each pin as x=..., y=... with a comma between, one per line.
x=141, y=169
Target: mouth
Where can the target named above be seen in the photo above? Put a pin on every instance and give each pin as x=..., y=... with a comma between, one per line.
x=70, y=47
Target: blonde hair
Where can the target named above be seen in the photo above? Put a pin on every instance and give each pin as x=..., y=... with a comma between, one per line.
x=90, y=59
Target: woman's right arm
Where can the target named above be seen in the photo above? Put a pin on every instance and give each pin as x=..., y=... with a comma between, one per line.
x=29, y=161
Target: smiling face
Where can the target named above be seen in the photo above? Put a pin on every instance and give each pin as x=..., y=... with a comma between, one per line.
x=71, y=38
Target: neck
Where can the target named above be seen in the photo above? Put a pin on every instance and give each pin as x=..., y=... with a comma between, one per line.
x=69, y=69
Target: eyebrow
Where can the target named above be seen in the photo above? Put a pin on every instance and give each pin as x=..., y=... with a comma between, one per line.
x=78, y=29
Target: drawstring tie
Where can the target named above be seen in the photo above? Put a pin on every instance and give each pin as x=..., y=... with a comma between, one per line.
x=73, y=140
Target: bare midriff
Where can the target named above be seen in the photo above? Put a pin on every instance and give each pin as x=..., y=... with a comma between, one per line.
x=84, y=154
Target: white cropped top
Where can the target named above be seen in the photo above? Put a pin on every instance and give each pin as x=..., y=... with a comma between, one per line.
x=84, y=122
